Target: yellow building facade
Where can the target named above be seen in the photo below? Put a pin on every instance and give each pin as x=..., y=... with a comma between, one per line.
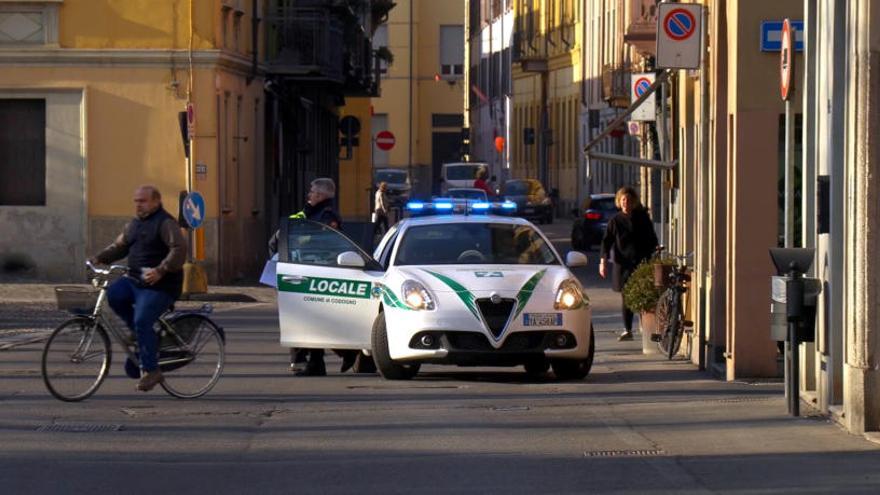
x=102, y=100
x=420, y=103
x=547, y=75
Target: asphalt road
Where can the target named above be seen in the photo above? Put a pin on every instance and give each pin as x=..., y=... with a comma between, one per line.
x=636, y=424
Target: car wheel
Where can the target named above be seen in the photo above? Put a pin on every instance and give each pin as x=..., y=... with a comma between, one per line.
x=384, y=364
x=537, y=367
x=571, y=369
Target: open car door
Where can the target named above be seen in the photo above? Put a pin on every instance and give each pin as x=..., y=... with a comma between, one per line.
x=323, y=304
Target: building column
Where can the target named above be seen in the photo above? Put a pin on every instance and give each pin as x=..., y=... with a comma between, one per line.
x=862, y=294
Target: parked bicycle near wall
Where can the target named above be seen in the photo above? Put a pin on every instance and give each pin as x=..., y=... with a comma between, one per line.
x=78, y=353
x=671, y=323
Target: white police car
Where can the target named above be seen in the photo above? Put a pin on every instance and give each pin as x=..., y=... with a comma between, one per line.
x=478, y=290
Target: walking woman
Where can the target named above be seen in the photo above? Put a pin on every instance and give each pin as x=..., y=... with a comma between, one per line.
x=629, y=239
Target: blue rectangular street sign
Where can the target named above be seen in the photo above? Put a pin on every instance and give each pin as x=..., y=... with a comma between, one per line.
x=771, y=36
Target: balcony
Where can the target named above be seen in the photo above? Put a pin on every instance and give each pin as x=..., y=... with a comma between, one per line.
x=529, y=46
x=616, y=85
x=304, y=44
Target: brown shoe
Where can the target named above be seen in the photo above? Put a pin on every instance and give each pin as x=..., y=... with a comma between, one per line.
x=149, y=381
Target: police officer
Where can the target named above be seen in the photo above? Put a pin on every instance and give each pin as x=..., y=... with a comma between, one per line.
x=318, y=208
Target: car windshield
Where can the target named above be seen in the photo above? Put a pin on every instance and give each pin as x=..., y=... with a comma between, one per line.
x=603, y=204
x=470, y=194
x=391, y=176
x=461, y=172
x=473, y=244
x=517, y=187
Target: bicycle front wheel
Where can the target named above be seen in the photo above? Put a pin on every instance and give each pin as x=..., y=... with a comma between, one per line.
x=191, y=356
x=76, y=359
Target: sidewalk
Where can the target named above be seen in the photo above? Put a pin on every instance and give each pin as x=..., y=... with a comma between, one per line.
x=28, y=312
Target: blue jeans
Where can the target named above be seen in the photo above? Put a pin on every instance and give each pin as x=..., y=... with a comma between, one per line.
x=140, y=308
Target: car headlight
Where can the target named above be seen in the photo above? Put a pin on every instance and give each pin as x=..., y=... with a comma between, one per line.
x=416, y=296
x=570, y=296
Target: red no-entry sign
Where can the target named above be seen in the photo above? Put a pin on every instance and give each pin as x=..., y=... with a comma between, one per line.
x=786, y=61
x=385, y=140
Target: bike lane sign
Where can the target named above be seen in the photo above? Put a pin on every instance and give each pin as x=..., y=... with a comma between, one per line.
x=194, y=209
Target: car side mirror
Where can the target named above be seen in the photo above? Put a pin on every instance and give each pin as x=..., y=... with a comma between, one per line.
x=575, y=258
x=350, y=259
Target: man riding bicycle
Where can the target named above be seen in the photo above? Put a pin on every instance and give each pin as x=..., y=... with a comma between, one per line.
x=156, y=251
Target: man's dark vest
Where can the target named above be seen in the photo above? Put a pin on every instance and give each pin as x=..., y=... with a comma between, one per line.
x=146, y=249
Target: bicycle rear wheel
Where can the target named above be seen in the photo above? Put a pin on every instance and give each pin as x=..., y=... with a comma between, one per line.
x=192, y=357
x=670, y=323
x=76, y=359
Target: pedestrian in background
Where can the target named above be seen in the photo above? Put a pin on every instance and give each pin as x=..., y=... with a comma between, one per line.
x=380, y=210
x=480, y=182
x=629, y=239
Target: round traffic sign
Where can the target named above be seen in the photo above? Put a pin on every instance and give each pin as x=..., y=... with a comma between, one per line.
x=194, y=209
x=385, y=140
x=679, y=24
x=786, y=60
x=642, y=86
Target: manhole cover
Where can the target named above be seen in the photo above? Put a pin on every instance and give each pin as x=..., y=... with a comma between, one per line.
x=624, y=453
x=78, y=428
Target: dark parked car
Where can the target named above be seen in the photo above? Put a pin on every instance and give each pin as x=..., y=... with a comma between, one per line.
x=589, y=224
x=532, y=201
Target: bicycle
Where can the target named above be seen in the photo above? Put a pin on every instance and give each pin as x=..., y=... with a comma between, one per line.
x=670, y=307
x=77, y=356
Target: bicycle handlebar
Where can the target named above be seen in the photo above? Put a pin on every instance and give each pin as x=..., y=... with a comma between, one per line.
x=112, y=270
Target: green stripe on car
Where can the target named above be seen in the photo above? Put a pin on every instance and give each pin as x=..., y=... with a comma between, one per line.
x=465, y=295
x=525, y=293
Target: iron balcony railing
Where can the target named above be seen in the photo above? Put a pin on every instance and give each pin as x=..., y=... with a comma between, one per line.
x=305, y=43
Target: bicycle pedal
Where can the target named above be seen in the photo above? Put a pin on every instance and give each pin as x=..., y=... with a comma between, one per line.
x=687, y=323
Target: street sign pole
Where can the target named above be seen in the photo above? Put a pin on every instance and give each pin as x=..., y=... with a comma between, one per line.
x=787, y=70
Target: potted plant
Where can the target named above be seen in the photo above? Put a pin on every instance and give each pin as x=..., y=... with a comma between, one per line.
x=640, y=294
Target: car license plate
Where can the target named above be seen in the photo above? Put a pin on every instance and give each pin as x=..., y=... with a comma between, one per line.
x=542, y=319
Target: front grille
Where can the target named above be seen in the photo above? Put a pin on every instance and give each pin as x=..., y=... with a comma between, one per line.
x=468, y=341
x=496, y=314
x=516, y=342
x=524, y=341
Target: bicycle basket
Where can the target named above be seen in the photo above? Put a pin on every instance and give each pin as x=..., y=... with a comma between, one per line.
x=662, y=274
x=76, y=300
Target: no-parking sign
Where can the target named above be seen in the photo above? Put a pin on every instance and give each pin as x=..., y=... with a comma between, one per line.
x=641, y=83
x=679, y=36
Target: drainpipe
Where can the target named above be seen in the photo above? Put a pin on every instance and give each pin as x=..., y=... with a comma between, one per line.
x=410, y=104
x=704, y=193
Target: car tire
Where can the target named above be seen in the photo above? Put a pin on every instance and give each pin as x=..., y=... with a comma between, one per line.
x=571, y=369
x=384, y=364
x=537, y=368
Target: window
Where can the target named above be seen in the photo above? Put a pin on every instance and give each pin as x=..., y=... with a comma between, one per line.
x=380, y=40
x=473, y=243
x=31, y=23
x=312, y=243
x=452, y=50
x=23, y=152
x=236, y=31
